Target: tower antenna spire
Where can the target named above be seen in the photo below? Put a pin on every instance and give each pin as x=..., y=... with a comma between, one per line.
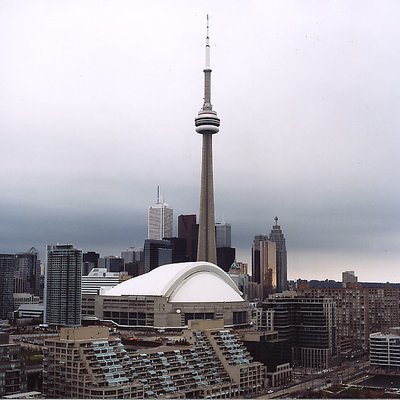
x=208, y=44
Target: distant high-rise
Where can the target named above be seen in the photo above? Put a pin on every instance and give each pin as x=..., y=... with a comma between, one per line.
x=223, y=234
x=348, y=277
x=63, y=285
x=264, y=265
x=160, y=221
x=27, y=273
x=161, y=252
x=6, y=285
x=207, y=124
x=156, y=253
x=188, y=230
x=277, y=236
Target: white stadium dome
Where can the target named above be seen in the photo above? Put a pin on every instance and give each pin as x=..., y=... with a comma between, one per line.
x=192, y=282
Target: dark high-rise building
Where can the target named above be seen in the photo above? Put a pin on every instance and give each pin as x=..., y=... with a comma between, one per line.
x=178, y=249
x=277, y=236
x=27, y=273
x=207, y=124
x=112, y=263
x=63, y=285
x=188, y=230
x=225, y=257
x=156, y=253
x=7, y=262
x=161, y=252
x=90, y=261
x=91, y=257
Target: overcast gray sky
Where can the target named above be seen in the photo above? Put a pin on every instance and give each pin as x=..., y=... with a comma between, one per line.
x=97, y=107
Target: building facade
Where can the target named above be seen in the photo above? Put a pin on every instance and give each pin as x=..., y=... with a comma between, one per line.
x=88, y=363
x=360, y=311
x=7, y=262
x=384, y=349
x=307, y=325
x=63, y=285
x=223, y=234
x=91, y=363
x=12, y=368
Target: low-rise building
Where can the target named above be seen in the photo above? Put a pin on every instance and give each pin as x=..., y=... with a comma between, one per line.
x=384, y=349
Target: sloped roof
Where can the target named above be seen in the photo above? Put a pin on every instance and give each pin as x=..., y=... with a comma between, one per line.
x=182, y=282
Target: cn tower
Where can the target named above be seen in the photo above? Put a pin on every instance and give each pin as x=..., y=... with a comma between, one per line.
x=207, y=123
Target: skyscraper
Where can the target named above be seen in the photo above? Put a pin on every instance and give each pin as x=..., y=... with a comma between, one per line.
x=277, y=236
x=160, y=220
x=223, y=234
x=264, y=265
x=27, y=273
x=188, y=230
x=207, y=124
x=63, y=285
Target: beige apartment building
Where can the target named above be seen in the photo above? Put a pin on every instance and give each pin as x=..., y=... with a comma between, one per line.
x=360, y=311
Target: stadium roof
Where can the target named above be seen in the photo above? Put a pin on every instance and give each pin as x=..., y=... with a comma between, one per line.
x=193, y=282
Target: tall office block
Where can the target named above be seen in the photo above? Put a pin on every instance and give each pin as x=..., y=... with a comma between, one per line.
x=268, y=267
x=6, y=285
x=160, y=220
x=27, y=273
x=278, y=238
x=63, y=285
x=223, y=234
x=156, y=253
x=264, y=265
x=207, y=124
x=188, y=230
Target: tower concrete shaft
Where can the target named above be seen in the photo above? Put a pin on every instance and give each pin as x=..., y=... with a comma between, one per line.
x=207, y=124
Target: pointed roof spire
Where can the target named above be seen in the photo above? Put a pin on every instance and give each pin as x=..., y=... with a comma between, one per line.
x=276, y=221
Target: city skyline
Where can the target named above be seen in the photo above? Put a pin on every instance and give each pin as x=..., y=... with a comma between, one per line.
x=97, y=105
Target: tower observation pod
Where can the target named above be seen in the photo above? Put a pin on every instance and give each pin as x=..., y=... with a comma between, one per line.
x=207, y=123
